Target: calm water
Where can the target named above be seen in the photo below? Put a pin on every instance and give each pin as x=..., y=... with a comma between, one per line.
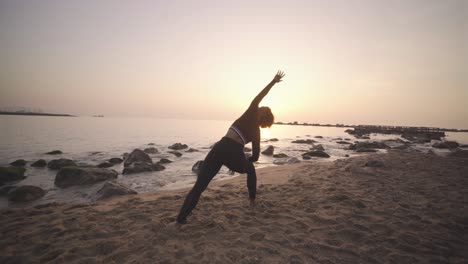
x=90, y=140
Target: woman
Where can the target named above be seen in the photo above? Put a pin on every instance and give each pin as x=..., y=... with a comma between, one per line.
x=229, y=151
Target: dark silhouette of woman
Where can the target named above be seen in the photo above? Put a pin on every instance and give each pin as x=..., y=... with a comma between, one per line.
x=229, y=151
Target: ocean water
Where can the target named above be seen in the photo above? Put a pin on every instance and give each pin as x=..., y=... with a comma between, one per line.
x=91, y=140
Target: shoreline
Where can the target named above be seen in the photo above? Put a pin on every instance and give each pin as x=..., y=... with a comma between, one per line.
x=406, y=209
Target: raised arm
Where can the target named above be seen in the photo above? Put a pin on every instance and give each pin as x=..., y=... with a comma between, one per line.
x=265, y=90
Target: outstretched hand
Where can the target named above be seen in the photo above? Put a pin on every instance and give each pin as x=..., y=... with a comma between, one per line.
x=279, y=75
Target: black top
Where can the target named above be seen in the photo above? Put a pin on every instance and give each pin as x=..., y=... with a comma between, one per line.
x=247, y=127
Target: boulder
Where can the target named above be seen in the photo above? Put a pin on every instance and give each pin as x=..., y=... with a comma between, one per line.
x=196, y=167
x=175, y=153
x=8, y=174
x=268, y=151
x=191, y=150
x=137, y=155
x=374, y=164
x=273, y=139
x=57, y=164
x=164, y=161
x=39, y=163
x=138, y=167
x=105, y=165
x=19, y=163
x=25, y=193
x=316, y=153
x=288, y=161
x=178, y=146
x=306, y=157
x=111, y=189
x=115, y=160
x=446, y=145
x=151, y=144
x=151, y=150
x=318, y=137
x=54, y=152
x=71, y=176
x=304, y=141
x=318, y=147
x=280, y=156
x=365, y=150
x=459, y=153
x=343, y=142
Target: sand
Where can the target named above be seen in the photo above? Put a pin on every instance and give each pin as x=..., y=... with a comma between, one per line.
x=412, y=210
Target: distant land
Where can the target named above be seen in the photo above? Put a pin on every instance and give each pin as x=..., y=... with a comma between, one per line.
x=376, y=127
x=32, y=113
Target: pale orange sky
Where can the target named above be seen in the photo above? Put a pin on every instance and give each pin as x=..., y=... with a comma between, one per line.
x=353, y=62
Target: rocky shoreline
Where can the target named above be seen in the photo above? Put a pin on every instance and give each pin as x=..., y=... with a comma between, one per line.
x=73, y=173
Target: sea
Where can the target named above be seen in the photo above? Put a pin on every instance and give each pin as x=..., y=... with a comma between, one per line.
x=93, y=140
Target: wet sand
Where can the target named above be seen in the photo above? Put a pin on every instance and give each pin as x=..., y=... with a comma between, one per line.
x=411, y=210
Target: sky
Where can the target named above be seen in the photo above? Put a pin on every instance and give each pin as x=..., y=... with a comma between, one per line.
x=402, y=62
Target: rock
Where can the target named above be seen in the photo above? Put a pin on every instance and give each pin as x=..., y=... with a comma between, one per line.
x=347, y=139
x=196, y=167
x=39, y=163
x=401, y=147
x=268, y=151
x=318, y=147
x=422, y=137
x=8, y=174
x=25, y=193
x=463, y=146
x=111, y=189
x=280, y=155
x=316, y=153
x=138, y=167
x=18, y=163
x=151, y=144
x=178, y=146
x=306, y=157
x=293, y=160
x=57, y=164
x=338, y=138
x=343, y=142
x=70, y=176
x=125, y=155
x=164, y=161
x=191, y=150
x=176, y=153
x=105, y=165
x=115, y=160
x=273, y=139
x=137, y=155
x=304, y=141
x=459, y=153
x=6, y=189
x=151, y=150
x=54, y=152
x=368, y=145
x=446, y=145
x=246, y=149
x=365, y=150
x=374, y=164
x=347, y=155
x=318, y=137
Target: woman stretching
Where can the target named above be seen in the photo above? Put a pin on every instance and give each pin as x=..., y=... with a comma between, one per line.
x=229, y=151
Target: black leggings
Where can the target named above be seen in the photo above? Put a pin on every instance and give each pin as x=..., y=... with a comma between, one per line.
x=226, y=152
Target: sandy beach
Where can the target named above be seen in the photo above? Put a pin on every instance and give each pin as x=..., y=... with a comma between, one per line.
x=408, y=208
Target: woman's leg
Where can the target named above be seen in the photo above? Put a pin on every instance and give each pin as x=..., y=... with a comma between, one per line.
x=237, y=162
x=207, y=171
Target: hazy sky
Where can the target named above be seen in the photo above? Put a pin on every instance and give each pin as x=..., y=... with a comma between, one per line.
x=367, y=62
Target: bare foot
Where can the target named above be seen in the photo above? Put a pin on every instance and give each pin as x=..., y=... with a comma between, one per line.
x=252, y=203
x=174, y=226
